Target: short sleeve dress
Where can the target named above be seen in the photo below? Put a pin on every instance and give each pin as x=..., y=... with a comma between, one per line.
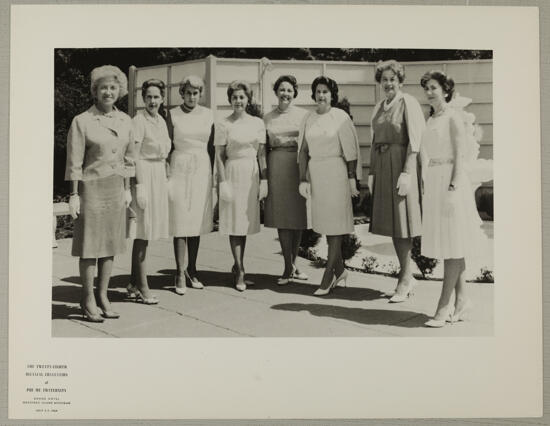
x=331, y=140
x=190, y=183
x=284, y=207
x=242, y=138
x=393, y=215
x=449, y=230
x=100, y=154
x=153, y=142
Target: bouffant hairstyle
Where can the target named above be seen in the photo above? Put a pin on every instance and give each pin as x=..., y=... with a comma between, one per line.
x=289, y=79
x=447, y=84
x=392, y=65
x=191, y=81
x=330, y=83
x=153, y=82
x=108, y=71
x=239, y=85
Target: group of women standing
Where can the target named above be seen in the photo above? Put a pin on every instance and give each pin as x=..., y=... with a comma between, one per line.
x=160, y=166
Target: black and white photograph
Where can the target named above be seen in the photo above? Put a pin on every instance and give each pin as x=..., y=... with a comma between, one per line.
x=274, y=212
x=251, y=192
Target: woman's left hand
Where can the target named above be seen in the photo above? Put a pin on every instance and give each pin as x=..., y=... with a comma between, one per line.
x=127, y=197
x=263, y=189
x=353, y=187
x=403, y=184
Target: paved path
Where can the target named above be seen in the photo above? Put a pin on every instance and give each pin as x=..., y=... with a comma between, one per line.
x=264, y=310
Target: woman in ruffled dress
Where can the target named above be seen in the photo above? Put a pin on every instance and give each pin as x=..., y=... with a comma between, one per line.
x=394, y=182
x=150, y=192
x=191, y=127
x=284, y=208
x=240, y=161
x=329, y=154
x=100, y=162
x=451, y=224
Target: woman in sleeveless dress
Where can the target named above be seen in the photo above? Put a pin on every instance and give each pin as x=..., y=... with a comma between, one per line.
x=330, y=156
x=191, y=127
x=284, y=208
x=240, y=147
x=397, y=124
x=451, y=224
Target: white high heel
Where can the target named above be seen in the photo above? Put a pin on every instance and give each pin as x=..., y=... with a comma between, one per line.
x=342, y=278
x=397, y=298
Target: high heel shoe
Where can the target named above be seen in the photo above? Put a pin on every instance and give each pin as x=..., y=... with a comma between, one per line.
x=110, y=314
x=341, y=279
x=401, y=297
x=179, y=285
x=89, y=316
x=195, y=283
x=325, y=291
x=146, y=300
x=283, y=280
x=461, y=314
x=131, y=291
x=438, y=323
x=298, y=275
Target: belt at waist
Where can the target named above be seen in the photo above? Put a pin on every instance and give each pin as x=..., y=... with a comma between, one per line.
x=241, y=157
x=291, y=148
x=152, y=159
x=440, y=161
x=324, y=157
x=384, y=146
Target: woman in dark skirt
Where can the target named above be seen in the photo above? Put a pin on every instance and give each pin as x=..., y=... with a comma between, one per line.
x=397, y=125
x=285, y=209
x=99, y=166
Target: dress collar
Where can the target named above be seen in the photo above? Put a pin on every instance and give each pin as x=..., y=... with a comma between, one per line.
x=388, y=106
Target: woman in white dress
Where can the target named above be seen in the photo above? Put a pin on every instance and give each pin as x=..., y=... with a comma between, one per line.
x=450, y=224
x=240, y=146
x=150, y=192
x=191, y=127
x=329, y=153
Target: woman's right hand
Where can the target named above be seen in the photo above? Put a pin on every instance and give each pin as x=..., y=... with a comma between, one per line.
x=304, y=189
x=74, y=205
x=141, y=196
x=226, y=191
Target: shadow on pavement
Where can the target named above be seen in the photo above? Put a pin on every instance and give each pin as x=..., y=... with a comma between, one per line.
x=405, y=319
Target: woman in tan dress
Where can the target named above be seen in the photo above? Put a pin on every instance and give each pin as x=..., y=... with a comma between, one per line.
x=329, y=153
x=99, y=166
x=397, y=125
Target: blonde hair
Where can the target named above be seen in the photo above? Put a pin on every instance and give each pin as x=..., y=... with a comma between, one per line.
x=109, y=71
x=191, y=81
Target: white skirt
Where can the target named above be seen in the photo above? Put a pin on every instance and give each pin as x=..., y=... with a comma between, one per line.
x=451, y=226
x=190, y=193
x=241, y=216
x=152, y=222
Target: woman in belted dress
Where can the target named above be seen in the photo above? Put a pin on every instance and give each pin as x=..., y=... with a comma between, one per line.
x=240, y=162
x=284, y=208
x=397, y=124
x=190, y=183
x=150, y=191
x=100, y=162
x=329, y=154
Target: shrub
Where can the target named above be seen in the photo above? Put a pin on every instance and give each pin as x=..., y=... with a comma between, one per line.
x=350, y=245
x=425, y=264
x=485, y=276
x=370, y=263
x=310, y=238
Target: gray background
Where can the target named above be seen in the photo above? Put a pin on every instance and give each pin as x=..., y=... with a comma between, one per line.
x=544, y=10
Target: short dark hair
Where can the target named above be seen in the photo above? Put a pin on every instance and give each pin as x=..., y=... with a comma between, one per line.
x=153, y=82
x=289, y=79
x=239, y=85
x=330, y=83
x=446, y=83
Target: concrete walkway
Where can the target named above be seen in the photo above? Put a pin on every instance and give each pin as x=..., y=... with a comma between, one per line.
x=264, y=309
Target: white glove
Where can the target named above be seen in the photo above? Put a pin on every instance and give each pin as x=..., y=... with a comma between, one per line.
x=74, y=205
x=226, y=191
x=127, y=198
x=450, y=203
x=370, y=183
x=263, y=189
x=353, y=187
x=304, y=189
x=141, y=197
x=403, y=184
